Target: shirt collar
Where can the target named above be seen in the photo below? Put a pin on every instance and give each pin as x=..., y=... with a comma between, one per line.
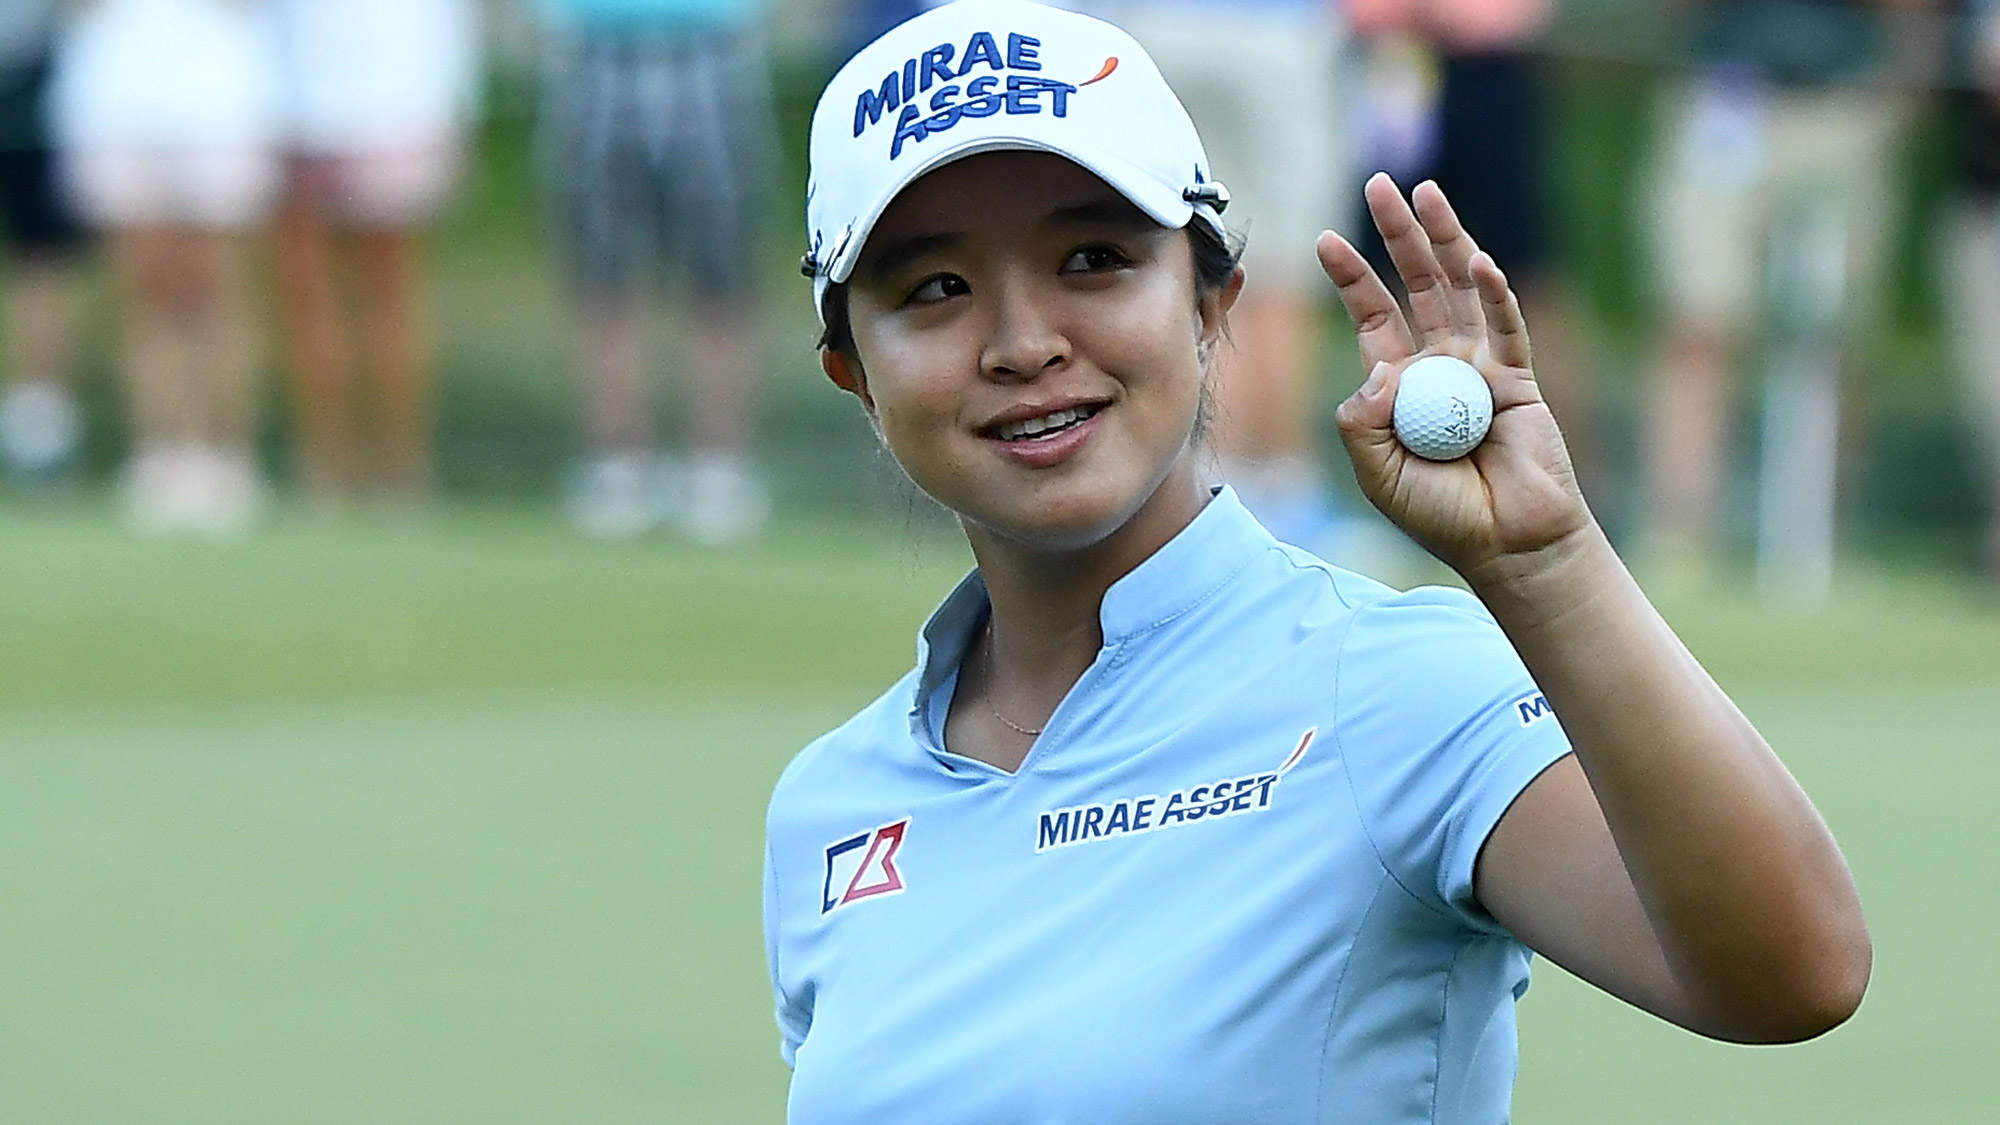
x=946, y=636
x=1212, y=549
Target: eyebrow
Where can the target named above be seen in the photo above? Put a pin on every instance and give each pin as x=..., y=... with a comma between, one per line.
x=903, y=251
x=1112, y=209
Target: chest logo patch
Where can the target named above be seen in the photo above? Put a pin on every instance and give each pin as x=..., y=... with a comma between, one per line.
x=1133, y=816
x=863, y=866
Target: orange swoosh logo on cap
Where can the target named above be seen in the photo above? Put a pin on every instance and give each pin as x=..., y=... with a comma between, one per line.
x=1110, y=65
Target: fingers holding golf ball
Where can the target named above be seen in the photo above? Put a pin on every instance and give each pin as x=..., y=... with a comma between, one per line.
x=1443, y=408
x=1449, y=435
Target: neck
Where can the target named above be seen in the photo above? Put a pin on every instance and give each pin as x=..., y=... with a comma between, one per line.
x=1046, y=625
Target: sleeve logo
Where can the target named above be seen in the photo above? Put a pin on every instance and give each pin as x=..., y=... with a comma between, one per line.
x=863, y=866
x=1533, y=709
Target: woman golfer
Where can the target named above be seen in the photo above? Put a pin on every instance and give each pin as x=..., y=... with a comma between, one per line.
x=1172, y=822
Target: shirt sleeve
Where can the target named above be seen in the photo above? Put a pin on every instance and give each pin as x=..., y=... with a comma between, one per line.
x=1440, y=728
x=792, y=1018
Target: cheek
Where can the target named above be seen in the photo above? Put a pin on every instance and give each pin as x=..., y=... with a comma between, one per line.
x=1161, y=315
x=909, y=386
x=1157, y=337
x=905, y=426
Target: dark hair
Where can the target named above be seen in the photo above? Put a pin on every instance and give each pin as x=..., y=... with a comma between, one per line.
x=1215, y=258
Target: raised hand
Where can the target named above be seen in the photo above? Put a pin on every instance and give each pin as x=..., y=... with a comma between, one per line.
x=1514, y=495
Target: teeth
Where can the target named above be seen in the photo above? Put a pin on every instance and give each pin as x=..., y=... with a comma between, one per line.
x=1014, y=431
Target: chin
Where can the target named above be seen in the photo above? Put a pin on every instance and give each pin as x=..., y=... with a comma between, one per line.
x=1059, y=524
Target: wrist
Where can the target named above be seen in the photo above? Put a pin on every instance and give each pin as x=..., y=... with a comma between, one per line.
x=1529, y=589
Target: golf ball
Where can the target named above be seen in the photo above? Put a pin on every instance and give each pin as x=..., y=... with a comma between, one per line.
x=1443, y=408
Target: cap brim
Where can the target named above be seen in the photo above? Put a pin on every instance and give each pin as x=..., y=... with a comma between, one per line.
x=1164, y=205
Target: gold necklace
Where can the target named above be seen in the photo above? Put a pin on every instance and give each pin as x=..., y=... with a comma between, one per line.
x=1010, y=724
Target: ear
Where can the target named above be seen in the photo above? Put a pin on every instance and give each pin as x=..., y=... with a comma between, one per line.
x=1213, y=309
x=847, y=374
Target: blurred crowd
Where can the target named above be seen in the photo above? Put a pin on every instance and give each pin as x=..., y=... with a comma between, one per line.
x=207, y=150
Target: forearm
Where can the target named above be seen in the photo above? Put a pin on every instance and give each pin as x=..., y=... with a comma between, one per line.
x=1743, y=885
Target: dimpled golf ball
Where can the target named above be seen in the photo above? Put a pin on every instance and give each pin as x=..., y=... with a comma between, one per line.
x=1443, y=408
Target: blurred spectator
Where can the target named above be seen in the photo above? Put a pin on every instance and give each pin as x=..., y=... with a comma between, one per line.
x=1969, y=249
x=39, y=421
x=379, y=94
x=1454, y=93
x=164, y=112
x=658, y=133
x=868, y=19
x=1776, y=128
x=1261, y=79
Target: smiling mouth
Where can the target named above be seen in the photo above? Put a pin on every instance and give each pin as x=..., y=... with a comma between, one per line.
x=1048, y=425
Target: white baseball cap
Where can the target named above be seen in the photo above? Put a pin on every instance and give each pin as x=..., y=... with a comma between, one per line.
x=990, y=75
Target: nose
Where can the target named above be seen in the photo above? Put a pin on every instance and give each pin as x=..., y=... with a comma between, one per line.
x=1027, y=337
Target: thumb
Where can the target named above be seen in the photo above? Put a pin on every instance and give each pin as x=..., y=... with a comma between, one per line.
x=1367, y=420
x=1367, y=423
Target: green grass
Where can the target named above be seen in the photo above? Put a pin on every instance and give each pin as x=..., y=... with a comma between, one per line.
x=1904, y=774
x=357, y=822
x=512, y=910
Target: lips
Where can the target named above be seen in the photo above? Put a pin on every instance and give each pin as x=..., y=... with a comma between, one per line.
x=1044, y=425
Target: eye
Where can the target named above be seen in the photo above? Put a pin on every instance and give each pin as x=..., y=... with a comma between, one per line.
x=1094, y=259
x=938, y=288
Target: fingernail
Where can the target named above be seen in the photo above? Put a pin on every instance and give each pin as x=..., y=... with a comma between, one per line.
x=1376, y=378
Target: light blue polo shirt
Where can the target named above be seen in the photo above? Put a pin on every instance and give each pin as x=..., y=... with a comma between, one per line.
x=1232, y=881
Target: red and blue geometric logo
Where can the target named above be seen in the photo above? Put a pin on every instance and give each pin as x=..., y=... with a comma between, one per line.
x=863, y=866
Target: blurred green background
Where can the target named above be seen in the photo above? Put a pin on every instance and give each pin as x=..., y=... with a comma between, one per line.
x=463, y=822
x=460, y=818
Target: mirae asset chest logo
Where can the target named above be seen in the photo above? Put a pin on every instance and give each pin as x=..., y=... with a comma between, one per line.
x=1132, y=816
